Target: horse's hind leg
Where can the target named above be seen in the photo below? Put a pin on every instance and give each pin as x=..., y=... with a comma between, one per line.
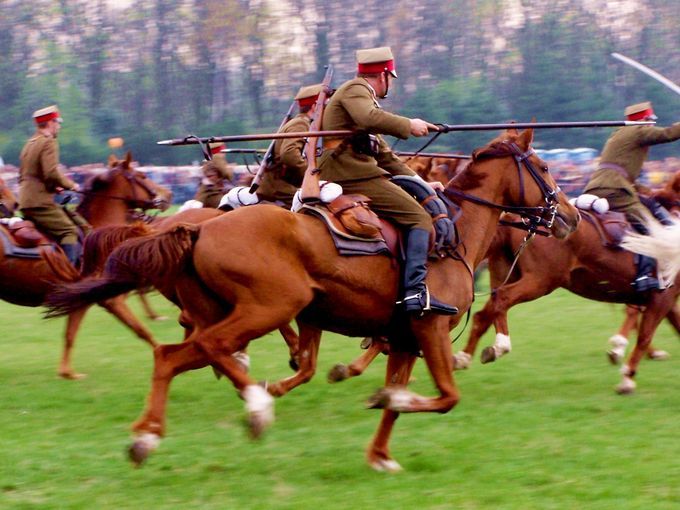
x=120, y=309
x=619, y=341
x=169, y=360
x=293, y=342
x=674, y=318
x=72, y=325
x=310, y=337
x=340, y=372
x=150, y=312
x=656, y=310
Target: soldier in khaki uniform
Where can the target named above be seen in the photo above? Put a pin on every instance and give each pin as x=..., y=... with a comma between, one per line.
x=364, y=163
x=620, y=166
x=284, y=175
x=216, y=173
x=40, y=179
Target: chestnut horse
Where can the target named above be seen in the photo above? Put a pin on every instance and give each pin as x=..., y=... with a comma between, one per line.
x=25, y=281
x=580, y=264
x=8, y=202
x=286, y=266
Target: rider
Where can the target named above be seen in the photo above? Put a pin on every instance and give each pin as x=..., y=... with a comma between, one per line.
x=216, y=173
x=364, y=163
x=284, y=175
x=40, y=179
x=620, y=167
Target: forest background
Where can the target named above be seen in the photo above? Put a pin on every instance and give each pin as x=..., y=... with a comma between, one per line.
x=146, y=70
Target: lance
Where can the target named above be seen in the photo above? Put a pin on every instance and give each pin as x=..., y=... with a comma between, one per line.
x=443, y=155
x=443, y=128
x=649, y=72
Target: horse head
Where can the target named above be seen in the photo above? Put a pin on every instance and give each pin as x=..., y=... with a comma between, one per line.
x=528, y=188
x=8, y=202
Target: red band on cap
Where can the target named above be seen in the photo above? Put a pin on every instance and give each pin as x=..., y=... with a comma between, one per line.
x=46, y=117
x=216, y=150
x=376, y=67
x=641, y=115
x=308, y=101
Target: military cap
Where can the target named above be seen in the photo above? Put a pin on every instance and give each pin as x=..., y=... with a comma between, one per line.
x=376, y=60
x=307, y=96
x=48, y=113
x=640, y=111
x=216, y=147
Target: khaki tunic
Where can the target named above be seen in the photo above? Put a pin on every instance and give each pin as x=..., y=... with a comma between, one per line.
x=211, y=194
x=354, y=106
x=627, y=148
x=39, y=177
x=284, y=176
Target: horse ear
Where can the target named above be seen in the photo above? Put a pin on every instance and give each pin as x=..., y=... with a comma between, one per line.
x=113, y=160
x=526, y=138
x=128, y=159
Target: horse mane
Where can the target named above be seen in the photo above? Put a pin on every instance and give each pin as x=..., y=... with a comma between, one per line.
x=102, y=241
x=59, y=264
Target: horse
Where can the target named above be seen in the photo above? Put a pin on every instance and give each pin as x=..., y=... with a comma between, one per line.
x=8, y=202
x=26, y=281
x=287, y=267
x=581, y=264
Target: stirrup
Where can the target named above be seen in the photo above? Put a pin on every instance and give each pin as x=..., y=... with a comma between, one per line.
x=645, y=283
x=423, y=302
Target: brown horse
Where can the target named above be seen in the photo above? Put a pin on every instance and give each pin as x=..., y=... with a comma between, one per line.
x=8, y=202
x=581, y=264
x=26, y=281
x=287, y=267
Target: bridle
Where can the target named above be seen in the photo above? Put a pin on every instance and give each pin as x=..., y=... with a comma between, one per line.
x=532, y=217
x=135, y=202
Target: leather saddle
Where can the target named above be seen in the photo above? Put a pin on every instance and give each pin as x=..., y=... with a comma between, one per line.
x=611, y=226
x=22, y=239
x=354, y=227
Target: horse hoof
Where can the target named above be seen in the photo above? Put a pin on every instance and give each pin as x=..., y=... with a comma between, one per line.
x=142, y=447
x=293, y=364
x=614, y=357
x=461, y=360
x=658, y=355
x=378, y=400
x=338, y=373
x=159, y=318
x=386, y=466
x=260, y=408
x=72, y=376
x=627, y=387
x=488, y=355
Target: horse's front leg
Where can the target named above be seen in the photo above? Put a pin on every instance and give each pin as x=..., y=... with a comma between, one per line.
x=169, y=360
x=399, y=367
x=340, y=371
x=119, y=308
x=309, y=340
x=481, y=321
x=660, y=304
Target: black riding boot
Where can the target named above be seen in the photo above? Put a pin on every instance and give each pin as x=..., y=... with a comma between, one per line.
x=645, y=278
x=73, y=253
x=417, y=298
x=657, y=210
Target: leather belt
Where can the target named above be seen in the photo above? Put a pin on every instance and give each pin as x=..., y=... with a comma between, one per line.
x=617, y=168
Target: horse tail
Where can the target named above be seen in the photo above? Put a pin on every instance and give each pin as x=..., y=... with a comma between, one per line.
x=154, y=260
x=59, y=264
x=662, y=243
x=102, y=241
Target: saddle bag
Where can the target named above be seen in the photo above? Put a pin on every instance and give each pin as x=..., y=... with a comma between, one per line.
x=355, y=215
x=25, y=234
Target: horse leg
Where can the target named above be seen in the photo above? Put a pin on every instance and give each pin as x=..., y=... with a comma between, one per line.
x=340, y=372
x=120, y=309
x=310, y=337
x=150, y=312
x=658, y=307
x=72, y=325
x=481, y=321
x=526, y=289
x=674, y=318
x=619, y=341
x=293, y=343
x=169, y=360
x=399, y=367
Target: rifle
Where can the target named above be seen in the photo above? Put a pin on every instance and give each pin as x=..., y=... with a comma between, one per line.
x=266, y=160
x=310, y=183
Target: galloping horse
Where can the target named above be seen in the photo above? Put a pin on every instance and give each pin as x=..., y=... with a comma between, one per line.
x=8, y=202
x=26, y=281
x=581, y=264
x=287, y=267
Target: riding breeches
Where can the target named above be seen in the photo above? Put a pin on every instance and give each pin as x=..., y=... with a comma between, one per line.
x=53, y=221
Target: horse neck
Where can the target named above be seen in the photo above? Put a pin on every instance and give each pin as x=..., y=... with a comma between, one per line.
x=102, y=211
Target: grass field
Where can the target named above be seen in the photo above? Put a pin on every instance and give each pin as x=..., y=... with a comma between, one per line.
x=540, y=429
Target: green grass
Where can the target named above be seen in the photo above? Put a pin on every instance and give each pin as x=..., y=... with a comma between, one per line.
x=540, y=429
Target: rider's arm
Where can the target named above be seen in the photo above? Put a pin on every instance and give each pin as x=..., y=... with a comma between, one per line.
x=49, y=161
